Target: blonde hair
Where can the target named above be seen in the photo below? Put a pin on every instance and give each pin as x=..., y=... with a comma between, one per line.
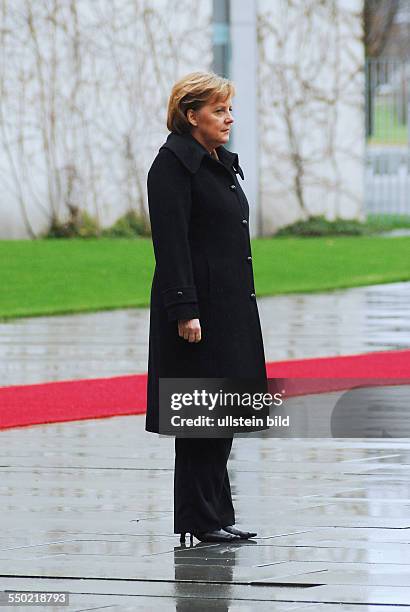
x=194, y=90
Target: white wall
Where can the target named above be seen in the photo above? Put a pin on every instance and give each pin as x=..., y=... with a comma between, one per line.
x=83, y=105
x=311, y=110
x=244, y=67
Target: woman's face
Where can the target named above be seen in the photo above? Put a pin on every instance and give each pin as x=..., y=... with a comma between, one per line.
x=211, y=124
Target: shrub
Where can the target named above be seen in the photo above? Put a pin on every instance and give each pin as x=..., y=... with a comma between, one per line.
x=80, y=224
x=385, y=223
x=320, y=226
x=130, y=225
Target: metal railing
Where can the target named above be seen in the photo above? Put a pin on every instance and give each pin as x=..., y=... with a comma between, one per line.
x=387, y=108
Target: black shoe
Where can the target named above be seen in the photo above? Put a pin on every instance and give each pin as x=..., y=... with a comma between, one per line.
x=243, y=535
x=218, y=535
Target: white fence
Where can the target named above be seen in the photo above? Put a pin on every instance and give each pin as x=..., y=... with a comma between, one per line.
x=387, y=171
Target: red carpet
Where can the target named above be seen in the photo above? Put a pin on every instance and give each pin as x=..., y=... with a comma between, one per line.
x=121, y=395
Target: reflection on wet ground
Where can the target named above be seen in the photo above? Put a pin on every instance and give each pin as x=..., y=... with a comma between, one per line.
x=87, y=508
x=358, y=320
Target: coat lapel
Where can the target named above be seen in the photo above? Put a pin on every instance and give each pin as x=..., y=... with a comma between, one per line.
x=191, y=153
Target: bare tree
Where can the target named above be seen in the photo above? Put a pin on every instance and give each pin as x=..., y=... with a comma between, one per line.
x=378, y=17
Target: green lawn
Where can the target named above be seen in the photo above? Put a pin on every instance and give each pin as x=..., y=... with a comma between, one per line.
x=388, y=130
x=60, y=276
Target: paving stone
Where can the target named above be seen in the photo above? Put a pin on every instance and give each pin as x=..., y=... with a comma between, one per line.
x=87, y=506
x=321, y=519
x=112, y=343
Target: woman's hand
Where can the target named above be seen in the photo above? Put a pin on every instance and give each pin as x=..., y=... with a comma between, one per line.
x=189, y=329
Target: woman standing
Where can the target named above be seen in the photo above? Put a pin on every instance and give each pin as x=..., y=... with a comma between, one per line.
x=204, y=319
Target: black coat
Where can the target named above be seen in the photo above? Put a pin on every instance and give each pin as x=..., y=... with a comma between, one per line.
x=200, y=231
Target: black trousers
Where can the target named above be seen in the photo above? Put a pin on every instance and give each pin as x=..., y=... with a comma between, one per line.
x=202, y=492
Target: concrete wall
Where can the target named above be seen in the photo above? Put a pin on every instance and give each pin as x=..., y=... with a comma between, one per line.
x=84, y=93
x=244, y=72
x=83, y=105
x=311, y=110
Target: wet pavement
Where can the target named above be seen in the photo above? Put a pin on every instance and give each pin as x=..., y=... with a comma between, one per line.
x=359, y=320
x=86, y=506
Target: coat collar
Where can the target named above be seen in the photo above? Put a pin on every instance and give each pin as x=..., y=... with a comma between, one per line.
x=191, y=153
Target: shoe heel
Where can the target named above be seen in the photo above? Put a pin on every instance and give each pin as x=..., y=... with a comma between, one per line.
x=182, y=538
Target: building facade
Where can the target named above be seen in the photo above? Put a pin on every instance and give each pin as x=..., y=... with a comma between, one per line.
x=84, y=95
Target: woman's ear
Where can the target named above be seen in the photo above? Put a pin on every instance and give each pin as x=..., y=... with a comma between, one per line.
x=191, y=116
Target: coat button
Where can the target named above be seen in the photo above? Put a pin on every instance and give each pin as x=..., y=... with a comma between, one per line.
x=249, y=259
x=244, y=222
x=232, y=187
x=179, y=292
x=253, y=296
